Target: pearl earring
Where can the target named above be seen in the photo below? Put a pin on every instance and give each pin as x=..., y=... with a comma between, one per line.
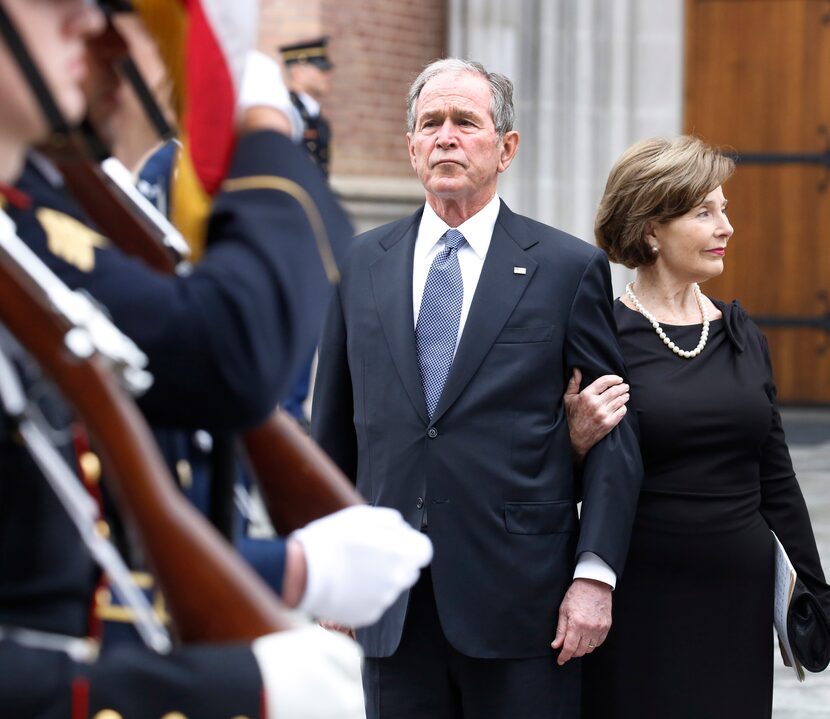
x=654, y=249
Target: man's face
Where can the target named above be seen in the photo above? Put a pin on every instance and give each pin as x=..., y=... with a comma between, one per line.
x=102, y=86
x=310, y=79
x=114, y=108
x=54, y=32
x=454, y=147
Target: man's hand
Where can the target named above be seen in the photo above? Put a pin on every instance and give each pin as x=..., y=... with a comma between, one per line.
x=584, y=619
x=595, y=411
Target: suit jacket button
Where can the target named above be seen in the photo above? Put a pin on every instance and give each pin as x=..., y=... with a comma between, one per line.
x=420, y=503
x=432, y=433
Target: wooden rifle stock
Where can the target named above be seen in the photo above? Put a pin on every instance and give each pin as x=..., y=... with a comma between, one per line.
x=212, y=595
x=90, y=187
x=78, y=156
x=298, y=481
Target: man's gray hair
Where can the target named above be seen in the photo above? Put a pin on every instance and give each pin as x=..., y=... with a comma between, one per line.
x=501, y=91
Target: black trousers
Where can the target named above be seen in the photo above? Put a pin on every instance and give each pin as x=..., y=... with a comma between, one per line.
x=427, y=678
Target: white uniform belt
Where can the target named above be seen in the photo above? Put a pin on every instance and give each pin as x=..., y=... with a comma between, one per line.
x=80, y=649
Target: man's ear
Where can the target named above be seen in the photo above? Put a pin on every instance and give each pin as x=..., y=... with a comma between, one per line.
x=411, y=150
x=509, y=146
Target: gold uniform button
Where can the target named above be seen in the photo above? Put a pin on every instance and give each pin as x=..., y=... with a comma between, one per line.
x=91, y=467
x=174, y=715
x=240, y=717
x=102, y=528
x=103, y=597
x=185, y=473
x=107, y=714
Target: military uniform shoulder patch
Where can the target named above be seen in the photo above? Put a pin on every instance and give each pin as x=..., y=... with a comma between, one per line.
x=69, y=239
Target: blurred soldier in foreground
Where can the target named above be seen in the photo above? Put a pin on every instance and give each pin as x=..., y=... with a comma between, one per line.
x=215, y=338
x=47, y=581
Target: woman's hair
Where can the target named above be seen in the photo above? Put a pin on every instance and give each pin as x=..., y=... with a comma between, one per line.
x=654, y=180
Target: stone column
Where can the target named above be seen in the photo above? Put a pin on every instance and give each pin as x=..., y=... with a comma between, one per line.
x=591, y=77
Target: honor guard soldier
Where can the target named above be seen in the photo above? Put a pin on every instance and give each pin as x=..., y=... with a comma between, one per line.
x=48, y=667
x=192, y=329
x=187, y=323
x=309, y=80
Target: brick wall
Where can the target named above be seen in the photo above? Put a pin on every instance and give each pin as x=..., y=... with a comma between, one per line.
x=378, y=47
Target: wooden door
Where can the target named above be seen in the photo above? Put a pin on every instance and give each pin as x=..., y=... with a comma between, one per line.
x=757, y=80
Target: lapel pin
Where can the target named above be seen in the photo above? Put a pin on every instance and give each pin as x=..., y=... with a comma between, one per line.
x=519, y=270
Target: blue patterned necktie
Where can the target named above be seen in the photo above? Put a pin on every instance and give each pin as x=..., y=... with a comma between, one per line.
x=437, y=330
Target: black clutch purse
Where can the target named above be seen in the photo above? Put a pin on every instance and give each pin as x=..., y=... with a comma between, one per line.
x=808, y=629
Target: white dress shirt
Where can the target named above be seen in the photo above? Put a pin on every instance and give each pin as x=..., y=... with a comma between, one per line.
x=478, y=231
x=311, y=105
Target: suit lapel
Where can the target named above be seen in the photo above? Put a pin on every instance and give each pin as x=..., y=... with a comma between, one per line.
x=497, y=294
x=391, y=277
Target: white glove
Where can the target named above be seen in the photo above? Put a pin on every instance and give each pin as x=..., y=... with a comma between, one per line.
x=358, y=561
x=310, y=673
x=263, y=86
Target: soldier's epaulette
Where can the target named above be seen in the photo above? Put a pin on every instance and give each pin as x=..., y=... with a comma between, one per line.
x=70, y=239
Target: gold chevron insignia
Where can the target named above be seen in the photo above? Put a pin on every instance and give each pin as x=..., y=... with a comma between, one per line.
x=69, y=239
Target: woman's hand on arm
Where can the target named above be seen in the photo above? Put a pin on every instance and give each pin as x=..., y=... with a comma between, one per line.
x=595, y=411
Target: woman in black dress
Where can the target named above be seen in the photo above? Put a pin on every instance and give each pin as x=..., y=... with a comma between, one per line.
x=692, y=614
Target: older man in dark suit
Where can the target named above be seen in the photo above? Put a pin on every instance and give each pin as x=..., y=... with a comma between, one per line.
x=442, y=369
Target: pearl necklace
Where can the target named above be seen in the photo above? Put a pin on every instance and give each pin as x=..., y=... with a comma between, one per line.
x=704, y=333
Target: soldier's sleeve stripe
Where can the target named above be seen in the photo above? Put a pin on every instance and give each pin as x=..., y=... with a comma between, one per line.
x=283, y=184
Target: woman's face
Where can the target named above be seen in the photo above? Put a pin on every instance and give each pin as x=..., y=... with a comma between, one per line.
x=691, y=248
x=54, y=32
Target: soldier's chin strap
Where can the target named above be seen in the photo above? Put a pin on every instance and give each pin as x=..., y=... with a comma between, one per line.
x=57, y=122
x=133, y=75
x=146, y=100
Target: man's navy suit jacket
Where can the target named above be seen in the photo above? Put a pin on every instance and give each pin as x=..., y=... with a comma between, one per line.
x=493, y=467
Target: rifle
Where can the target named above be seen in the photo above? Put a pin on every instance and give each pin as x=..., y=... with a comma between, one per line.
x=298, y=481
x=102, y=185
x=223, y=599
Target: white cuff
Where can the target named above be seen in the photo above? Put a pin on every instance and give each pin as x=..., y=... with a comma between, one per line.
x=592, y=566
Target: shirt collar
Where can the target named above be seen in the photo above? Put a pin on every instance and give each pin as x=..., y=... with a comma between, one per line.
x=477, y=230
x=311, y=105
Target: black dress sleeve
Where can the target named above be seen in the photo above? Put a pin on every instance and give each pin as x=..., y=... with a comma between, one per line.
x=782, y=503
